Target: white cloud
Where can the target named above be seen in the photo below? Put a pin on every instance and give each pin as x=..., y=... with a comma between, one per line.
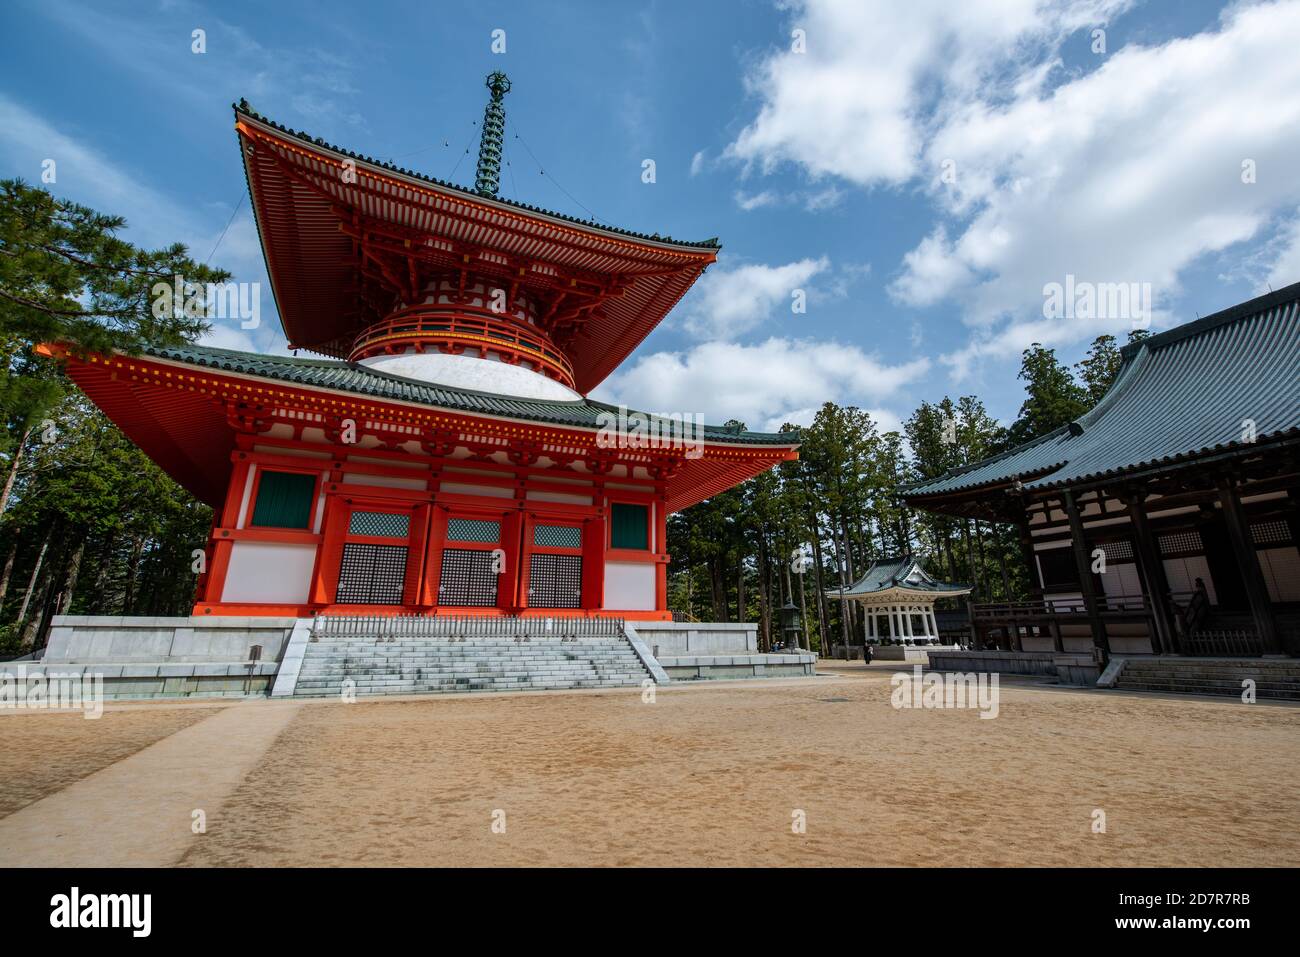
x=756, y=200
x=813, y=201
x=697, y=163
x=852, y=105
x=764, y=384
x=1129, y=171
x=817, y=200
x=1285, y=269
x=930, y=272
x=727, y=302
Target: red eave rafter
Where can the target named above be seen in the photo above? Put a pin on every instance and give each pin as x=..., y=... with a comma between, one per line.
x=720, y=467
x=297, y=198
x=517, y=225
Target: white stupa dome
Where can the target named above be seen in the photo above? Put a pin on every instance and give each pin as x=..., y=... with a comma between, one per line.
x=471, y=371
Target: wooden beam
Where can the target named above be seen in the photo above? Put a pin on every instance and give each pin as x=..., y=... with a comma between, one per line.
x=1084, y=563
x=1151, y=569
x=1261, y=609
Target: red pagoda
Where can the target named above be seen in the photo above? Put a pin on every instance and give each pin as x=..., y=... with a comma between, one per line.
x=444, y=457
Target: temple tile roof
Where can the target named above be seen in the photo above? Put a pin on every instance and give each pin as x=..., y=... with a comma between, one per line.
x=902, y=573
x=1192, y=391
x=351, y=377
x=243, y=108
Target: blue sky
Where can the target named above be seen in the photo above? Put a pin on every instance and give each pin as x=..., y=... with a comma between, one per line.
x=922, y=170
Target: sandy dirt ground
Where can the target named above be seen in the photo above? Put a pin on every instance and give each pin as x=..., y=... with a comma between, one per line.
x=716, y=775
x=41, y=753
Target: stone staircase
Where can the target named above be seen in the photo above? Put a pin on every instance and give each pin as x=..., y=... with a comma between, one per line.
x=431, y=665
x=1275, y=678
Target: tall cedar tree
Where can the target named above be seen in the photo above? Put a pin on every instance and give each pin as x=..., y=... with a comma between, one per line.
x=67, y=277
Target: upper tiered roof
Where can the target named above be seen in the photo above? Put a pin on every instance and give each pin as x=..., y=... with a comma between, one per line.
x=344, y=235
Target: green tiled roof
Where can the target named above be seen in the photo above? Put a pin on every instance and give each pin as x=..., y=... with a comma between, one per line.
x=894, y=573
x=351, y=377
x=1180, y=395
x=242, y=107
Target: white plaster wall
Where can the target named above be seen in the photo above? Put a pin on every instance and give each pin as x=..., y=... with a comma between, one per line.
x=288, y=450
x=630, y=586
x=1121, y=580
x=539, y=496
x=1281, y=568
x=269, y=572
x=1183, y=572
x=384, y=481
x=490, y=491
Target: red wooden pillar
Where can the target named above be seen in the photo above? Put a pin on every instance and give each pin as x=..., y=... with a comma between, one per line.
x=512, y=584
x=593, y=562
x=220, y=547
x=201, y=589
x=419, y=532
x=661, y=553
x=325, y=577
x=437, y=538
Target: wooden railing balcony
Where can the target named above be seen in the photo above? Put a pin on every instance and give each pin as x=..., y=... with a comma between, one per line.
x=454, y=328
x=1115, y=606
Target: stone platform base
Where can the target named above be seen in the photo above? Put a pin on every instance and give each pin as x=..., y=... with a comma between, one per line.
x=705, y=667
x=1068, y=669
x=201, y=656
x=157, y=679
x=150, y=657
x=1003, y=662
x=1277, y=678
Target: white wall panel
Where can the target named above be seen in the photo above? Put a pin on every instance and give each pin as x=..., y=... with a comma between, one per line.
x=269, y=572
x=630, y=586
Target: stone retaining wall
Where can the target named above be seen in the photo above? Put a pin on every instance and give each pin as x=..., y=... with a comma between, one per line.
x=708, y=667
x=101, y=639
x=1003, y=662
x=148, y=657
x=674, y=638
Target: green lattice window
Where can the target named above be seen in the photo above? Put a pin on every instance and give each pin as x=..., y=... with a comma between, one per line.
x=381, y=524
x=284, y=500
x=473, y=530
x=629, y=526
x=557, y=536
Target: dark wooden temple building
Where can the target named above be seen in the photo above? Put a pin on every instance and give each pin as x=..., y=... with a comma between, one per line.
x=1166, y=520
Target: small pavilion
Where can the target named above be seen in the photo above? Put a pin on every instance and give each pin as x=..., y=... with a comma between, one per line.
x=898, y=597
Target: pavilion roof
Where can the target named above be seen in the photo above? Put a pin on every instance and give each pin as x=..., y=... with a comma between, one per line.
x=900, y=575
x=328, y=217
x=1179, y=396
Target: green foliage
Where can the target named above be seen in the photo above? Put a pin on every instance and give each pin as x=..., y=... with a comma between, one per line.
x=101, y=525
x=1052, y=397
x=65, y=276
x=1099, y=367
x=135, y=527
